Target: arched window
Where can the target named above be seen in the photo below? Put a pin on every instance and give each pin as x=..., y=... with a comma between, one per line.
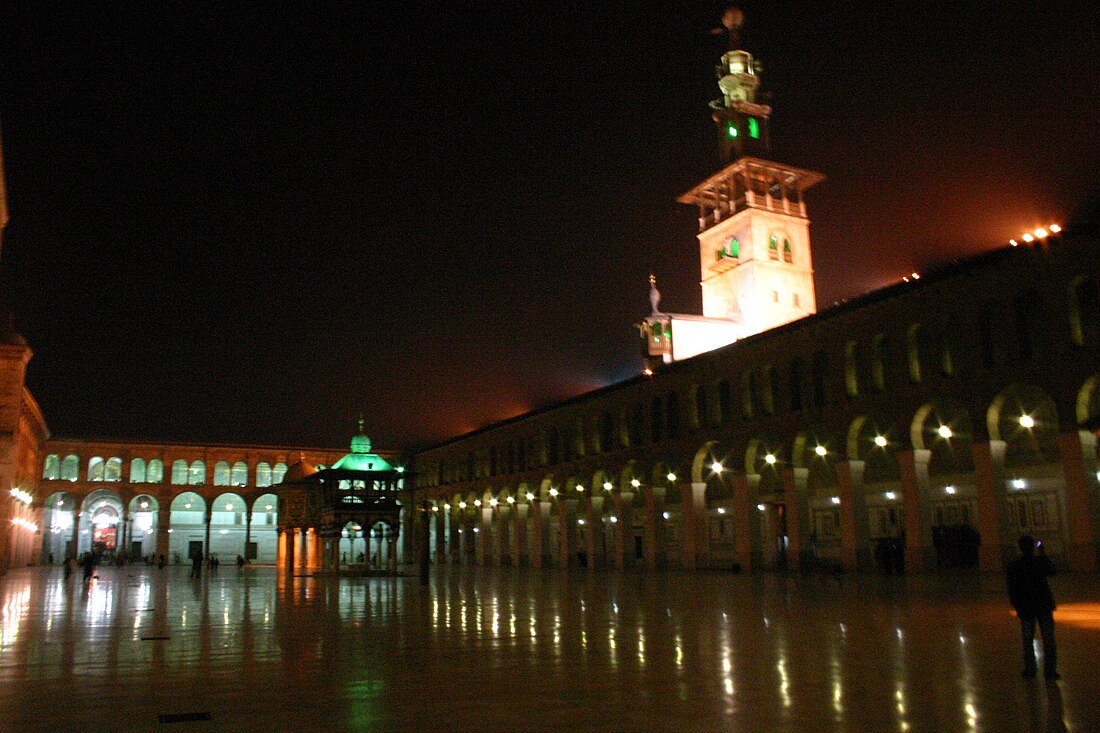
x=263, y=474
x=851, y=369
x=221, y=473
x=821, y=376
x=239, y=476
x=992, y=334
x=698, y=406
x=279, y=471
x=196, y=473
x=773, y=248
x=725, y=401
x=607, y=431
x=796, y=371
x=673, y=415
x=788, y=255
x=154, y=474
x=657, y=420
x=1031, y=324
x=179, y=472
x=880, y=357
x=95, y=468
x=112, y=470
x=137, y=471
x=1084, y=311
x=913, y=352
x=637, y=424
x=70, y=468
x=51, y=469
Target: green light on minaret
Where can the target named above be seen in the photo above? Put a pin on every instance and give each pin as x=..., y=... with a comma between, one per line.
x=754, y=128
x=731, y=130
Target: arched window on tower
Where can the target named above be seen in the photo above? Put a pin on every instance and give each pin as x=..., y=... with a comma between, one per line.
x=95, y=468
x=179, y=472
x=112, y=469
x=137, y=471
x=239, y=476
x=278, y=472
x=773, y=248
x=263, y=474
x=51, y=469
x=196, y=473
x=221, y=473
x=70, y=468
x=154, y=473
x=788, y=255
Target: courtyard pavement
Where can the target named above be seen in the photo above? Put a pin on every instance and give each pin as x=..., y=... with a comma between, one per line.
x=141, y=649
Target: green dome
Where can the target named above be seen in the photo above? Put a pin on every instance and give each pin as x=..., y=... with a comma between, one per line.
x=360, y=458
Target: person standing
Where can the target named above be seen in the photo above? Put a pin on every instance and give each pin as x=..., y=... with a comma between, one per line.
x=196, y=565
x=1029, y=593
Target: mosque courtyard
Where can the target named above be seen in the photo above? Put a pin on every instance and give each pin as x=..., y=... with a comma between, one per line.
x=141, y=649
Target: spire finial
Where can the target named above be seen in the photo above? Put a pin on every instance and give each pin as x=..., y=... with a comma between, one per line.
x=361, y=422
x=654, y=294
x=731, y=23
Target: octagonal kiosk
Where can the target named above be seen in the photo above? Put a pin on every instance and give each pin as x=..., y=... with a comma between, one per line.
x=345, y=518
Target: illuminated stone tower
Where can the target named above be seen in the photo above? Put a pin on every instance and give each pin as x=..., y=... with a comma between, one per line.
x=754, y=238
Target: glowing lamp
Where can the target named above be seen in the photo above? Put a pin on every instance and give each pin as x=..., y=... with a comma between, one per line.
x=671, y=476
x=1028, y=238
x=530, y=496
x=461, y=505
x=949, y=489
x=1019, y=483
x=607, y=486
x=553, y=491
x=1041, y=233
x=477, y=502
x=666, y=515
x=944, y=431
x=580, y=488
x=721, y=510
x=717, y=467
x=493, y=502
x=880, y=441
x=511, y=500
x=835, y=499
x=770, y=459
x=1054, y=228
x=435, y=508
x=635, y=483
x=1027, y=421
x=761, y=507
x=890, y=496
x=580, y=521
x=820, y=450
x=614, y=519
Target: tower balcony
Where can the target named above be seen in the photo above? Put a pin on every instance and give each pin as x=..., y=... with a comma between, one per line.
x=751, y=183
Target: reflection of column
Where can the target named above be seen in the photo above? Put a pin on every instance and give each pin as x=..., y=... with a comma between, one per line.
x=207, y=512
x=989, y=479
x=247, y=531
x=746, y=520
x=539, y=556
x=498, y=524
x=1078, y=452
x=854, y=551
x=914, y=487
x=655, y=527
x=624, y=529
x=698, y=506
x=796, y=514
x=482, y=546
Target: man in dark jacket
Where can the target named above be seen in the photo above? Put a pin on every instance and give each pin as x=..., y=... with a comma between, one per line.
x=1030, y=595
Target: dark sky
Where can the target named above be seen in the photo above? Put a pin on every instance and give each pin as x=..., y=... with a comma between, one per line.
x=243, y=222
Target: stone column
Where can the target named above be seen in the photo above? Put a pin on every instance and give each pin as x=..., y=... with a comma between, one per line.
x=442, y=520
x=316, y=552
x=746, y=520
x=1078, y=452
x=915, y=487
x=206, y=531
x=502, y=541
x=797, y=515
x=247, y=531
x=289, y=535
x=519, y=535
x=567, y=531
x=989, y=478
x=597, y=532
x=625, y=525
x=854, y=551
x=280, y=548
x=655, y=527
x=540, y=557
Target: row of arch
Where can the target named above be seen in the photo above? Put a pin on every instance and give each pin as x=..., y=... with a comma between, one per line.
x=56, y=468
x=1005, y=335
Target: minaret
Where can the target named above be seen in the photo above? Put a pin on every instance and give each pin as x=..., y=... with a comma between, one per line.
x=754, y=237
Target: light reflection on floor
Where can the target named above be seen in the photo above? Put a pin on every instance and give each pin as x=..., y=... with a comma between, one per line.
x=533, y=650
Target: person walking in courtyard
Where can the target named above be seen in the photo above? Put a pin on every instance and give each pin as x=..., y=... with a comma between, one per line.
x=1029, y=593
x=88, y=563
x=196, y=565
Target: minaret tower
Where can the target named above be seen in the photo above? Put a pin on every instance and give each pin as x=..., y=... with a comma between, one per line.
x=754, y=237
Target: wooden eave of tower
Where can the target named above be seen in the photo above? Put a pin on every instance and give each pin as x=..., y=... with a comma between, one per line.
x=747, y=183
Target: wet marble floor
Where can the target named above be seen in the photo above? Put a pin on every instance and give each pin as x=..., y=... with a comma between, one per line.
x=140, y=649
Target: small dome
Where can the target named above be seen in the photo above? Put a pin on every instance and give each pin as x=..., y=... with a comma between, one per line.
x=360, y=444
x=299, y=470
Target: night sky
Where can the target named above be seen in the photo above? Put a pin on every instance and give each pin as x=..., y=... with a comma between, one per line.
x=248, y=223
